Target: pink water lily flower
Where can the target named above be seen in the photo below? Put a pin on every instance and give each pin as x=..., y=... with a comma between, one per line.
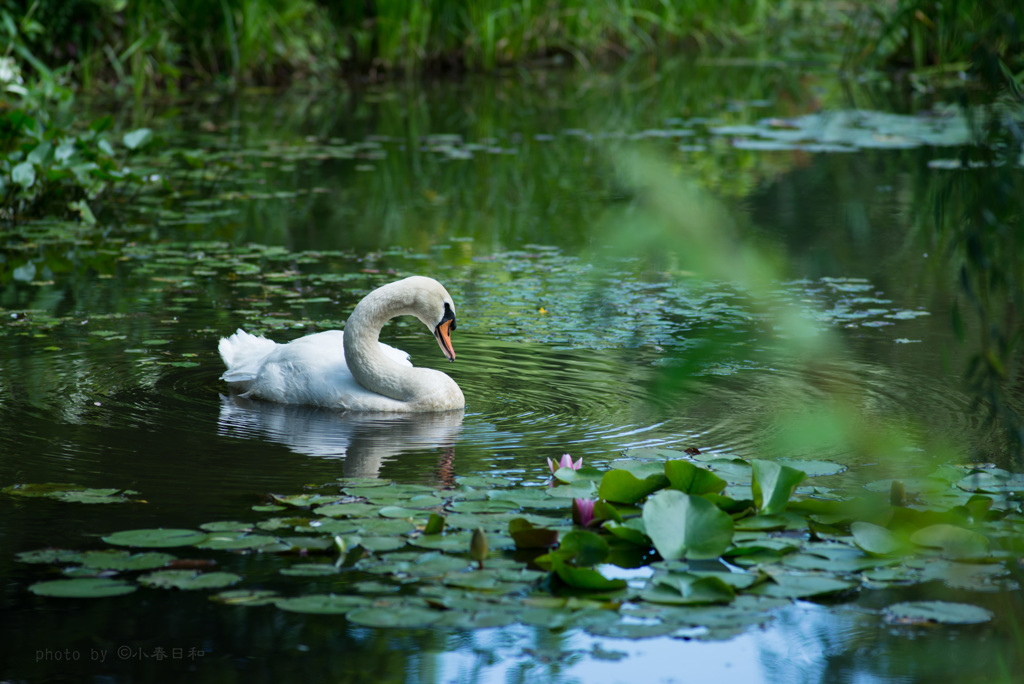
x=566, y=462
x=583, y=511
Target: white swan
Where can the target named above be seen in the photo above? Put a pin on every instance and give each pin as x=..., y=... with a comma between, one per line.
x=352, y=370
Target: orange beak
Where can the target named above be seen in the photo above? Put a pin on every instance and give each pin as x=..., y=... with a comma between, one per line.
x=443, y=333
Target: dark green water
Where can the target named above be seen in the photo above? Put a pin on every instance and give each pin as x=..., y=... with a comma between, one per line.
x=504, y=191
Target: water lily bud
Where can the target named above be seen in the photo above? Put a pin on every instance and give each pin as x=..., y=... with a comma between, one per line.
x=478, y=546
x=898, y=493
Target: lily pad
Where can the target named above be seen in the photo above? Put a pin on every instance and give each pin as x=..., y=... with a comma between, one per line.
x=123, y=560
x=686, y=526
x=157, y=538
x=877, y=540
x=692, y=479
x=247, y=597
x=622, y=486
x=686, y=588
x=323, y=604
x=310, y=570
x=86, y=587
x=929, y=612
x=773, y=485
x=70, y=493
x=394, y=616
x=240, y=542
x=50, y=556
x=189, y=579
x=952, y=541
x=802, y=586
x=584, y=578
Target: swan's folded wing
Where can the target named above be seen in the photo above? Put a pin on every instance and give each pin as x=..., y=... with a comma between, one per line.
x=396, y=355
x=243, y=354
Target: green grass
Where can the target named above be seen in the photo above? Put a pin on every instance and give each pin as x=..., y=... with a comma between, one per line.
x=942, y=36
x=157, y=45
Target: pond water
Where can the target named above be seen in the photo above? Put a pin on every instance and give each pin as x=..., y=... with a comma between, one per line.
x=298, y=204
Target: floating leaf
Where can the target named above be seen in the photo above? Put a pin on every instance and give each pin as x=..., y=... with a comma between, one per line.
x=584, y=578
x=529, y=536
x=621, y=486
x=50, y=556
x=86, y=587
x=324, y=604
x=631, y=530
x=773, y=484
x=346, y=510
x=877, y=540
x=686, y=526
x=435, y=524
x=945, y=612
x=236, y=542
x=583, y=548
x=953, y=541
x=310, y=569
x=189, y=579
x=686, y=588
x=692, y=479
x=801, y=586
x=70, y=492
x=124, y=560
x=394, y=616
x=156, y=538
x=247, y=597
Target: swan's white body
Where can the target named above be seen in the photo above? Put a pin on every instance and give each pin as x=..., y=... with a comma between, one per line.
x=352, y=370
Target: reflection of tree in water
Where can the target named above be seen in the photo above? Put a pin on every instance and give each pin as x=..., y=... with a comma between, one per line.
x=976, y=221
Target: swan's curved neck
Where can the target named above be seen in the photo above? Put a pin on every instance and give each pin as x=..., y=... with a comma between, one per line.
x=370, y=367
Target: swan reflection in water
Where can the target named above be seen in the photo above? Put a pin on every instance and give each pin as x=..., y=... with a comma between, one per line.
x=364, y=440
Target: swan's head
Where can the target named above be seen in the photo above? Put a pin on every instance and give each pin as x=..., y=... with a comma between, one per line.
x=435, y=308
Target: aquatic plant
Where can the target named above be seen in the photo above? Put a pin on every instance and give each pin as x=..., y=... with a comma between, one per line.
x=508, y=555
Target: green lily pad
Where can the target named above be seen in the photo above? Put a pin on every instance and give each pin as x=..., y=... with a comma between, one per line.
x=346, y=510
x=124, y=560
x=157, y=538
x=801, y=586
x=686, y=526
x=877, y=540
x=631, y=530
x=233, y=542
x=401, y=513
x=944, y=612
x=583, y=548
x=686, y=588
x=812, y=468
x=50, y=556
x=306, y=500
x=323, y=604
x=189, y=579
x=952, y=541
x=584, y=578
x=226, y=526
x=692, y=479
x=773, y=484
x=622, y=486
x=246, y=597
x=86, y=587
x=310, y=570
x=491, y=506
x=394, y=616
x=70, y=492
x=529, y=536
